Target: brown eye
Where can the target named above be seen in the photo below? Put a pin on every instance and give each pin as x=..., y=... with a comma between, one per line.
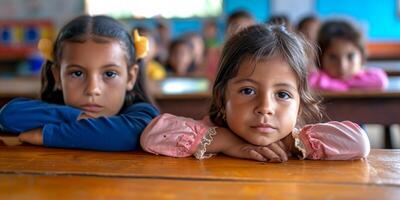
x=110, y=74
x=247, y=91
x=283, y=95
x=77, y=74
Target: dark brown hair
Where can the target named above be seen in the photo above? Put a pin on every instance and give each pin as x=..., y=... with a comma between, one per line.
x=339, y=29
x=96, y=28
x=260, y=42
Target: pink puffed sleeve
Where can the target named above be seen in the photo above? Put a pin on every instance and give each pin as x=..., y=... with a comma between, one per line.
x=177, y=136
x=333, y=141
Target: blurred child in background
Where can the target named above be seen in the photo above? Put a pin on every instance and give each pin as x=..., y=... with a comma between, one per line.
x=198, y=50
x=236, y=21
x=210, y=34
x=180, y=61
x=342, y=56
x=309, y=27
x=163, y=38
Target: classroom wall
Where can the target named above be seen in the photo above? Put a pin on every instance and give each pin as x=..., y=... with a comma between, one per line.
x=258, y=8
x=57, y=10
x=380, y=19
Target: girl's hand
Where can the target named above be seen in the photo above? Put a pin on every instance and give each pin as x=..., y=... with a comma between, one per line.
x=275, y=152
x=33, y=136
x=228, y=143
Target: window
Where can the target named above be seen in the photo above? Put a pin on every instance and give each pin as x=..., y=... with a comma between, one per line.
x=154, y=8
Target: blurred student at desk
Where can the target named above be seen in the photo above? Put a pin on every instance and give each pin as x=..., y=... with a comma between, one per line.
x=342, y=58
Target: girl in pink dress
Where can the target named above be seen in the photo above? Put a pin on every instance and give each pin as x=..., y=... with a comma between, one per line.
x=260, y=106
x=342, y=56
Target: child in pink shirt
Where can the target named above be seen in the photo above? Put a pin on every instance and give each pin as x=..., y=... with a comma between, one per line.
x=342, y=56
x=260, y=106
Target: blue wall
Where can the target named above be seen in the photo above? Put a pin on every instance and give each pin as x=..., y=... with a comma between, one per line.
x=260, y=9
x=380, y=19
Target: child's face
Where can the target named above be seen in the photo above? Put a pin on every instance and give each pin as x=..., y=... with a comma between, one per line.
x=342, y=59
x=310, y=30
x=180, y=59
x=262, y=102
x=198, y=48
x=94, y=76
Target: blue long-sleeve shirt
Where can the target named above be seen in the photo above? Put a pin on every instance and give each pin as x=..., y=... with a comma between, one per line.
x=61, y=128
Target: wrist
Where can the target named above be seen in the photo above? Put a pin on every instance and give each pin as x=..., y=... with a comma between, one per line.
x=220, y=141
x=289, y=142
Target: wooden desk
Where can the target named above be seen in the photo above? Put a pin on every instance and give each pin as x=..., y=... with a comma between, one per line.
x=46, y=173
x=391, y=67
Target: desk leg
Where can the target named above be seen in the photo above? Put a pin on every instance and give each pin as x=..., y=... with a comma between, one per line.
x=388, y=137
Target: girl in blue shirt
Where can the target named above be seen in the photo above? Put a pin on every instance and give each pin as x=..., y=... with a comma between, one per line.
x=92, y=94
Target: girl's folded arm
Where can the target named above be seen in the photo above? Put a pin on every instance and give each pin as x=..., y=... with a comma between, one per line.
x=115, y=133
x=176, y=136
x=373, y=78
x=22, y=114
x=333, y=141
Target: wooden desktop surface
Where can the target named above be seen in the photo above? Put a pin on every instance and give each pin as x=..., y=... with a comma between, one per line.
x=48, y=173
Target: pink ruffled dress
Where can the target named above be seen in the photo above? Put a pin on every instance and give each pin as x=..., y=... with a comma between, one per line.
x=182, y=137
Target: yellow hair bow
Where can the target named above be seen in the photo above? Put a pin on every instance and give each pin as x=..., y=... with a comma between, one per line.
x=141, y=44
x=45, y=47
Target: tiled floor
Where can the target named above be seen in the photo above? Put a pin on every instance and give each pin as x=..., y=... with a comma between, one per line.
x=375, y=134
